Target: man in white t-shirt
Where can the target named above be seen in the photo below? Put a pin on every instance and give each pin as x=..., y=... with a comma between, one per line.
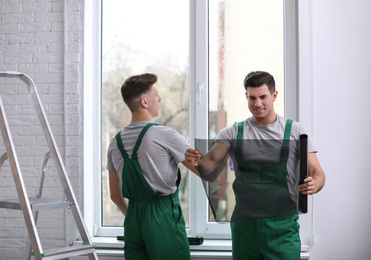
x=264, y=151
x=142, y=160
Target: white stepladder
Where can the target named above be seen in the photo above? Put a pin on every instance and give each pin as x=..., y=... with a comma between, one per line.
x=31, y=206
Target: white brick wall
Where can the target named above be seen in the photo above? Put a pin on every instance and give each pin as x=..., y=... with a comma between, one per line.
x=32, y=40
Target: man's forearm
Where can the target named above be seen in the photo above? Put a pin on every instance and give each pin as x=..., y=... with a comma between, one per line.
x=319, y=178
x=209, y=171
x=121, y=203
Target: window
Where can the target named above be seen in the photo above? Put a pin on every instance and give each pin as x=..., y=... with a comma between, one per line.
x=243, y=36
x=201, y=50
x=137, y=37
x=231, y=39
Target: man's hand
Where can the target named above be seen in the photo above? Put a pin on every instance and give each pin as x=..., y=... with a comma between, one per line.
x=115, y=187
x=309, y=186
x=211, y=164
x=192, y=156
x=316, y=176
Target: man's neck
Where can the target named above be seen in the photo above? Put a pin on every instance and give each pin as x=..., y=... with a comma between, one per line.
x=140, y=117
x=265, y=121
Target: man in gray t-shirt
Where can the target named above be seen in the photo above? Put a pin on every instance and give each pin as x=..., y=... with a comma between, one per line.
x=159, y=154
x=142, y=160
x=258, y=137
x=264, y=221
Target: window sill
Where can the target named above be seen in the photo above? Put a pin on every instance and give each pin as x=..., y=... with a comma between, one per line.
x=207, y=245
x=221, y=249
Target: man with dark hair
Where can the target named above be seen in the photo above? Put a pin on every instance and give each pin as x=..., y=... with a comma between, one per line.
x=142, y=161
x=264, y=151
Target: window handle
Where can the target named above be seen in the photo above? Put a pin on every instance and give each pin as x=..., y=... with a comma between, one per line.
x=200, y=90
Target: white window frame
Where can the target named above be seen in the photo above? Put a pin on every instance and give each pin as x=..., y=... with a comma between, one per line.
x=199, y=104
x=198, y=110
x=91, y=114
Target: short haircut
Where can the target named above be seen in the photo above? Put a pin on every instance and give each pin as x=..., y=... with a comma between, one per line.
x=134, y=87
x=258, y=78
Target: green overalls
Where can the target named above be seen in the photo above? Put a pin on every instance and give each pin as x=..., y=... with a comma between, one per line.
x=154, y=226
x=264, y=221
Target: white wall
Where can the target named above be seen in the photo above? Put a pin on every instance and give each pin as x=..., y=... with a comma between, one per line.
x=340, y=67
x=44, y=40
x=335, y=67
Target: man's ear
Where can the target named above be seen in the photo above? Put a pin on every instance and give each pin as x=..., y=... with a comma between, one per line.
x=143, y=102
x=275, y=94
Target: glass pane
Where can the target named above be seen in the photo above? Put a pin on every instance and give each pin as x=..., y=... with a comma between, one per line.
x=244, y=35
x=137, y=37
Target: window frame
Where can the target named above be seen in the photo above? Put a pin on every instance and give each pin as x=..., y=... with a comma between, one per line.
x=198, y=111
x=91, y=115
x=199, y=101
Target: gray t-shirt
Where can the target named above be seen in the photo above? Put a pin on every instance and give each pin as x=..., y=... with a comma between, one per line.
x=271, y=134
x=161, y=150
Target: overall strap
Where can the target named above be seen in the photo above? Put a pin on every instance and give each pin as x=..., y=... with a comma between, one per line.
x=286, y=139
x=139, y=140
x=237, y=150
x=120, y=145
x=179, y=178
x=286, y=136
x=239, y=134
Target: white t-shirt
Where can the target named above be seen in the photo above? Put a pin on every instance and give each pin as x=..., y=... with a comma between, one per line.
x=159, y=153
x=272, y=134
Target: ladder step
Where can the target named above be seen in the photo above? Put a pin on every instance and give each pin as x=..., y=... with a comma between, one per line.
x=37, y=204
x=64, y=252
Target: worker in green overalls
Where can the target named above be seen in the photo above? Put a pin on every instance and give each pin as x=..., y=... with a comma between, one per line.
x=142, y=161
x=265, y=154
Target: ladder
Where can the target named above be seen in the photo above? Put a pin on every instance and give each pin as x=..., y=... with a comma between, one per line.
x=31, y=206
